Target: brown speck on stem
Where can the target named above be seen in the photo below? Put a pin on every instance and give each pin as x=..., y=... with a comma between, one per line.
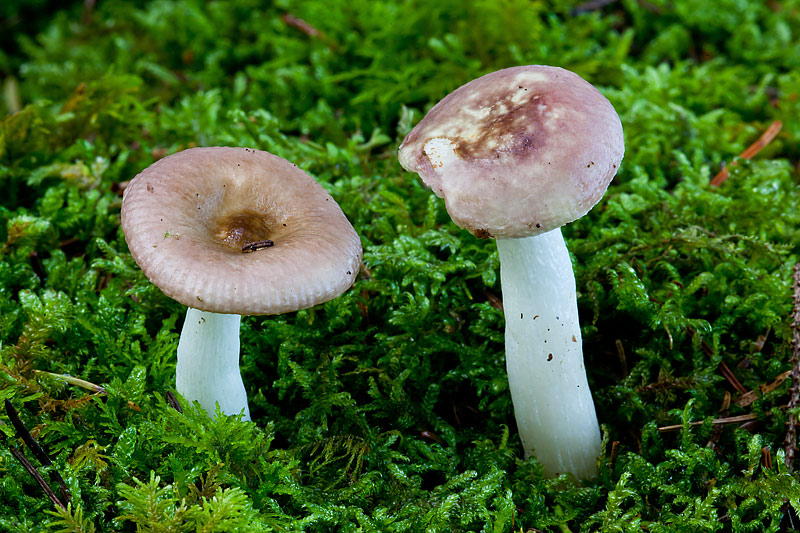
x=549, y=357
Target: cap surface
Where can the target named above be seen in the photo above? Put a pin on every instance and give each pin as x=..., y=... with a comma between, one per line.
x=519, y=151
x=197, y=223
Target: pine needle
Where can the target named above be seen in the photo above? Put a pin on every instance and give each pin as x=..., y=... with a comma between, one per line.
x=750, y=152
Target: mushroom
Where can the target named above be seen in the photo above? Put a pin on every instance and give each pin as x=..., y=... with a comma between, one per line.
x=230, y=232
x=516, y=154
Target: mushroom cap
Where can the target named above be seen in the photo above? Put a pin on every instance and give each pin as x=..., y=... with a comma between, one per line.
x=519, y=151
x=189, y=218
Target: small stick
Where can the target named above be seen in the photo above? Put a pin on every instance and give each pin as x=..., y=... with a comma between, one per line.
x=173, y=401
x=612, y=456
x=34, y=447
x=300, y=24
x=25, y=435
x=75, y=381
x=723, y=368
x=790, y=442
x=715, y=422
x=623, y=361
x=750, y=152
x=713, y=441
x=766, y=458
x=591, y=5
x=750, y=396
x=731, y=377
x=37, y=476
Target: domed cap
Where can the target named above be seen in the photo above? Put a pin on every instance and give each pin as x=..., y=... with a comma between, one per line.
x=517, y=152
x=236, y=230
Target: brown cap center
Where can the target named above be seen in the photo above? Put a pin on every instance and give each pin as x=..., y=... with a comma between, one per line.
x=237, y=230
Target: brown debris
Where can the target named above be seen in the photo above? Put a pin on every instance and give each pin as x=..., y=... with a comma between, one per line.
x=724, y=369
x=623, y=360
x=731, y=377
x=173, y=401
x=612, y=455
x=300, y=24
x=766, y=458
x=717, y=433
x=495, y=301
x=591, y=5
x=751, y=396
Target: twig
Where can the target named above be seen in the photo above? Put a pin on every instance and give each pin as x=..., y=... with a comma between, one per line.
x=612, y=456
x=750, y=152
x=173, y=401
x=591, y=5
x=34, y=447
x=75, y=381
x=766, y=458
x=37, y=476
x=751, y=396
x=25, y=435
x=715, y=422
x=724, y=369
x=623, y=361
x=300, y=24
x=731, y=377
x=713, y=441
x=790, y=442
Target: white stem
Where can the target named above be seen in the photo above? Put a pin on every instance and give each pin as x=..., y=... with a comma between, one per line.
x=552, y=402
x=208, y=362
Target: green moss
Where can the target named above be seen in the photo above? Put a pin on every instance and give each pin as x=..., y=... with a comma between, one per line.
x=388, y=409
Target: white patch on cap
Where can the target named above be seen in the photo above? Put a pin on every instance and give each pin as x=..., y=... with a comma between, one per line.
x=440, y=151
x=531, y=76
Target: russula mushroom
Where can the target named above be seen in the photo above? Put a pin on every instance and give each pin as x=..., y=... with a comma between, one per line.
x=516, y=154
x=230, y=232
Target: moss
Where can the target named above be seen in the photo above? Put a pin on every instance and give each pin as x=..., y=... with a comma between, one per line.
x=388, y=409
